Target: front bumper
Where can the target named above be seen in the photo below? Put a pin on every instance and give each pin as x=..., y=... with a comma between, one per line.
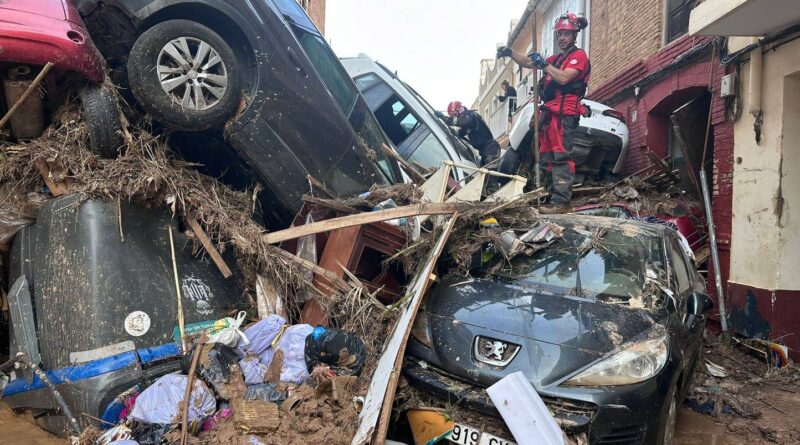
x=631, y=416
x=31, y=39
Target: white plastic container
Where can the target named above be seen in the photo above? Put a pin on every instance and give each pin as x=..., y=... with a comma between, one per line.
x=524, y=412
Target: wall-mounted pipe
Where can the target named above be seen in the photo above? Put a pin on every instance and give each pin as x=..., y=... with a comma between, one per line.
x=755, y=81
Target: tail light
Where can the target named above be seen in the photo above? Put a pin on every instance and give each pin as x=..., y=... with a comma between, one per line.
x=615, y=114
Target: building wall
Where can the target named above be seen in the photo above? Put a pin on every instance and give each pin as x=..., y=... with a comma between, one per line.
x=648, y=121
x=766, y=180
x=623, y=32
x=315, y=10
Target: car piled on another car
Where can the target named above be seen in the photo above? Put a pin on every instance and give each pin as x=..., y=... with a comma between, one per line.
x=409, y=121
x=263, y=73
x=33, y=33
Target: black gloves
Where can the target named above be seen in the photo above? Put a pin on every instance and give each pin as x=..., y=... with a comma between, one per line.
x=538, y=60
x=439, y=114
x=503, y=51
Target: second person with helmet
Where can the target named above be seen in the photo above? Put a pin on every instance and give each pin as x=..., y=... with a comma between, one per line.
x=472, y=127
x=566, y=76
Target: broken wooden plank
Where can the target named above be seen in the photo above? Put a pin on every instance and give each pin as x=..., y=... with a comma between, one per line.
x=378, y=402
x=320, y=186
x=209, y=246
x=56, y=188
x=662, y=165
x=363, y=218
x=415, y=175
x=31, y=88
x=329, y=204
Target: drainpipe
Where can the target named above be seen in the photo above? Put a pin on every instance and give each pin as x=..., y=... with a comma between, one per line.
x=754, y=88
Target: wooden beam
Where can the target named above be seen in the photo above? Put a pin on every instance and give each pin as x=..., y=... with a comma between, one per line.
x=209, y=246
x=329, y=204
x=363, y=218
x=378, y=402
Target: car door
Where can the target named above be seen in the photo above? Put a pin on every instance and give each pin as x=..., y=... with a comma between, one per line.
x=684, y=279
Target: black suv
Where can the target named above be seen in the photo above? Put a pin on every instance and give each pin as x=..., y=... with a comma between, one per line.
x=260, y=70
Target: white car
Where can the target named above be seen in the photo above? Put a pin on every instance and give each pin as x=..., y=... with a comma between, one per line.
x=601, y=142
x=407, y=119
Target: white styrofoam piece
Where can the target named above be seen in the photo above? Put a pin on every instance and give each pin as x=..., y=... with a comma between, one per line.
x=471, y=192
x=512, y=189
x=434, y=189
x=524, y=412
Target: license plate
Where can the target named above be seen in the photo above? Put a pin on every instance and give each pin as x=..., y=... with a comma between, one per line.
x=467, y=435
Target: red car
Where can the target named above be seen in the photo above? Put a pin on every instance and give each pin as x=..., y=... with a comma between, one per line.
x=688, y=220
x=34, y=32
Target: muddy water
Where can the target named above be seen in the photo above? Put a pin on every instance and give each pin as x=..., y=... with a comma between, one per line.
x=18, y=430
x=700, y=429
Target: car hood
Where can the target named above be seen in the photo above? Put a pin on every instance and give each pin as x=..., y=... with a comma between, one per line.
x=558, y=335
x=51, y=9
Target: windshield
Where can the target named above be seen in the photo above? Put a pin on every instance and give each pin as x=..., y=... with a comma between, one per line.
x=601, y=263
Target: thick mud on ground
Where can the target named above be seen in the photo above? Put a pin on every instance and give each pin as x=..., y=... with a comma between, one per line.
x=19, y=430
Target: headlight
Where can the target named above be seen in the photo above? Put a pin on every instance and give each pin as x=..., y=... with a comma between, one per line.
x=635, y=364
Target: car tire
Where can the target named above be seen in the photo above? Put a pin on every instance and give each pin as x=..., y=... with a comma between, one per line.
x=178, y=91
x=102, y=117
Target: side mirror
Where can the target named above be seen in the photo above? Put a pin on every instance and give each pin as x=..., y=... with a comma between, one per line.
x=696, y=305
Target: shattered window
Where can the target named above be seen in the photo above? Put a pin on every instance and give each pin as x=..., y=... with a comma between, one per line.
x=596, y=263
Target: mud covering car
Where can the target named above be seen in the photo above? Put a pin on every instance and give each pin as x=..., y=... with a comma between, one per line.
x=99, y=313
x=605, y=320
x=258, y=72
x=35, y=32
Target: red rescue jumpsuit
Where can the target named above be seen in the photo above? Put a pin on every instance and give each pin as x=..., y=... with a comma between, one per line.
x=558, y=131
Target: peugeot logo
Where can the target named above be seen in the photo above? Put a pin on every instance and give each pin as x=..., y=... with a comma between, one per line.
x=493, y=351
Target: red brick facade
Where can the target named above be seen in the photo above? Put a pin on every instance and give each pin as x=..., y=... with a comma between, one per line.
x=665, y=80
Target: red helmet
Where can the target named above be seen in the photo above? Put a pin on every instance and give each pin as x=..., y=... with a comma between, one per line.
x=455, y=108
x=570, y=22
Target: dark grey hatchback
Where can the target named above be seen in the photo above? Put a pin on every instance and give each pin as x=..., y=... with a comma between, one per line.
x=260, y=70
x=606, y=322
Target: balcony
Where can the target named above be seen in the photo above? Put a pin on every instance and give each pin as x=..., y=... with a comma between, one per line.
x=498, y=121
x=743, y=17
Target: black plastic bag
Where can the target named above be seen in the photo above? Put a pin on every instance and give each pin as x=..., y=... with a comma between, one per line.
x=265, y=392
x=216, y=369
x=342, y=351
x=150, y=433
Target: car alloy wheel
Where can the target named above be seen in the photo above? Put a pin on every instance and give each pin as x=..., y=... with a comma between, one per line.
x=192, y=72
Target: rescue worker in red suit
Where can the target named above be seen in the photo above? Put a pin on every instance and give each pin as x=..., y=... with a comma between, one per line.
x=562, y=87
x=472, y=126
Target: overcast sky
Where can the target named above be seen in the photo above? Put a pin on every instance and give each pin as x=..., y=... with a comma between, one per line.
x=434, y=45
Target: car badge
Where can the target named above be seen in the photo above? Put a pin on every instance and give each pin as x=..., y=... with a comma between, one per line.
x=493, y=351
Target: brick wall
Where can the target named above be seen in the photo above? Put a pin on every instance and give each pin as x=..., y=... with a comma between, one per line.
x=648, y=125
x=622, y=32
x=315, y=10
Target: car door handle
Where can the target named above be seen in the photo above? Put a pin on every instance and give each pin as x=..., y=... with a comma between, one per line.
x=297, y=63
